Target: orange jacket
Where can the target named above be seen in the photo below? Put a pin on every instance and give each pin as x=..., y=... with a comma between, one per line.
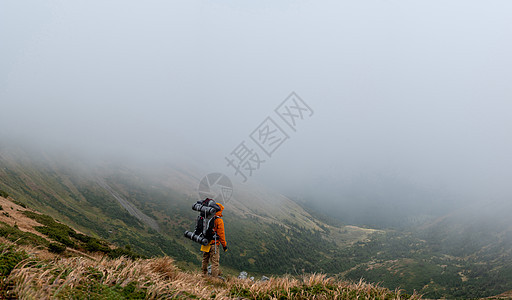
x=218, y=227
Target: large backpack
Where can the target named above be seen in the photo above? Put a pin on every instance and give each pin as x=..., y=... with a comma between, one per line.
x=204, y=227
x=205, y=222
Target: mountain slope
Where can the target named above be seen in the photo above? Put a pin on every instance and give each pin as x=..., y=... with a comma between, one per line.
x=467, y=253
x=36, y=269
x=149, y=208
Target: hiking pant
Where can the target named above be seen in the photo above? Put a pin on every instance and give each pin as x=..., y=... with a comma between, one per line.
x=213, y=256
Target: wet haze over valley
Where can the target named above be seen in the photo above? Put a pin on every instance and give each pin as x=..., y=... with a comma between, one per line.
x=412, y=101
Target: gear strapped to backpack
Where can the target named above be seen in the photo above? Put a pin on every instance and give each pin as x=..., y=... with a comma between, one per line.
x=205, y=223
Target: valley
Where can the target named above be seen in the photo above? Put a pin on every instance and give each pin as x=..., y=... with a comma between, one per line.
x=147, y=209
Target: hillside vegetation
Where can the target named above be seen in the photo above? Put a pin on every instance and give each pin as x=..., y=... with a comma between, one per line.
x=47, y=259
x=257, y=222
x=159, y=278
x=268, y=234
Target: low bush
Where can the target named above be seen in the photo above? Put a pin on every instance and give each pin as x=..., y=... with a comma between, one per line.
x=56, y=248
x=20, y=203
x=14, y=234
x=3, y=194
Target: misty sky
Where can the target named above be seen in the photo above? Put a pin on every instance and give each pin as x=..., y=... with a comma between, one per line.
x=416, y=90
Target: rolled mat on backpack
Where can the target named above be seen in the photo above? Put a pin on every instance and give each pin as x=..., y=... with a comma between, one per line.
x=196, y=238
x=205, y=223
x=204, y=209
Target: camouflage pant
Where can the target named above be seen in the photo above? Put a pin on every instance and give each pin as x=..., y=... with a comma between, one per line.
x=214, y=257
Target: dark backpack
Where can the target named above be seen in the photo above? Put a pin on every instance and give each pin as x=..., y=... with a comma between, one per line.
x=206, y=219
x=204, y=227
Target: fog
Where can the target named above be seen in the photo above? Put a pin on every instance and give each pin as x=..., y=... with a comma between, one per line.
x=407, y=98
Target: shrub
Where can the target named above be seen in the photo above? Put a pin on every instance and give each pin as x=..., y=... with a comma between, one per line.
x=4, y=194
x=95, y=246
x=20, y=203
x=56, y=248
x=63, y=234
x=56, y=235
x=120, y=252
x=14, y=234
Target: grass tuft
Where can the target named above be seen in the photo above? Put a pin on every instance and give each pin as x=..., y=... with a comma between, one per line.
x=158, y=278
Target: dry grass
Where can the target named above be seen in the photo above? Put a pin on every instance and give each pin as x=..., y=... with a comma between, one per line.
x=46, y=275
x=159, y=278
x=313, y=286
x=16, y=217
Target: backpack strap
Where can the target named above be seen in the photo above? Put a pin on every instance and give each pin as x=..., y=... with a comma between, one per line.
x=213, y=227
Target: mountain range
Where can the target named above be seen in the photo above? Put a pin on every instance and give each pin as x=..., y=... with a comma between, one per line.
x=147, y=207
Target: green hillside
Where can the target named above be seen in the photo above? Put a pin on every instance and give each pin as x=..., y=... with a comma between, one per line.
x=267, y=232
x=41, y=258
x=261, y=225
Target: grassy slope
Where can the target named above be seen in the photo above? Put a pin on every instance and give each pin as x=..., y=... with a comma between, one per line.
x=71, y=193
x=31, y=274
x=29, y=271
x=263, y=240
x=76, y=199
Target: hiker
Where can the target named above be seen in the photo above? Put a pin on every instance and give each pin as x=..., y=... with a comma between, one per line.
x=211, y=252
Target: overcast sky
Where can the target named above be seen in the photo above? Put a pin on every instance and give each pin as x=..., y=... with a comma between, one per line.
x=416, y=90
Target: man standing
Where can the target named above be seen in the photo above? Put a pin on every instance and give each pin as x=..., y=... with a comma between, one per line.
x=212, y=251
